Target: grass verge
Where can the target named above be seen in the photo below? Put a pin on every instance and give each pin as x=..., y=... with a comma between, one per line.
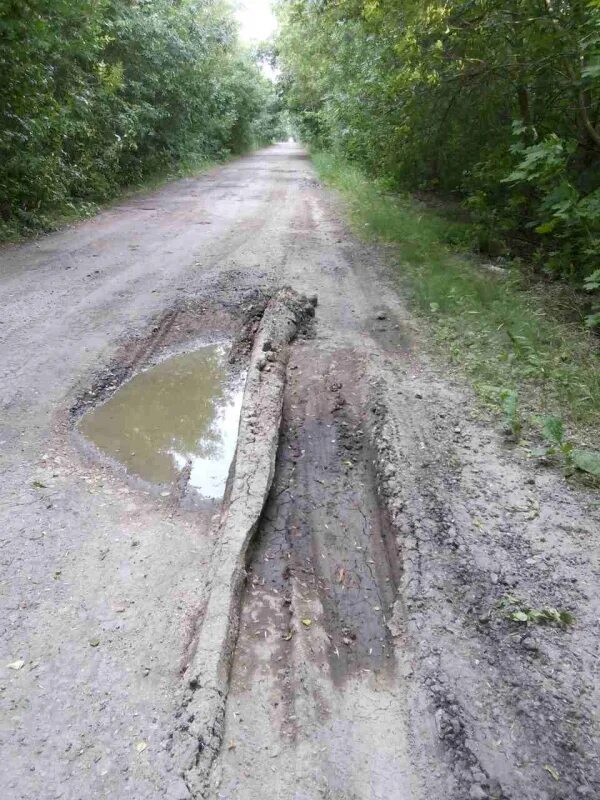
x=507, y=336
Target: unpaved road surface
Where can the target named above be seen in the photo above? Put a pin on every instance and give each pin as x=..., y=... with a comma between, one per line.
x=375, y=657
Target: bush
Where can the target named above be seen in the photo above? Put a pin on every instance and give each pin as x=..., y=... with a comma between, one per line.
x=496, y=102
x=100, y=94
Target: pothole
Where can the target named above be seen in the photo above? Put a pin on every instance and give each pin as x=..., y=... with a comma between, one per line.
x=175, y=422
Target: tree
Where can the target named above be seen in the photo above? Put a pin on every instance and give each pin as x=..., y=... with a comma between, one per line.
x=498, y=102
x=98, y=94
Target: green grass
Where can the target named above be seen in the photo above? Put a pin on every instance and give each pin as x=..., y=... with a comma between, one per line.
x=506, y=335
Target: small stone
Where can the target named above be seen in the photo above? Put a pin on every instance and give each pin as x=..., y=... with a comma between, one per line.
x=477, y=792
x=439, y=722
x=267, y=346
x=382, y=315
x=529, y=643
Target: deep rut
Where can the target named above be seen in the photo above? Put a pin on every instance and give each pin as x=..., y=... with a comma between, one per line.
x=322, y=580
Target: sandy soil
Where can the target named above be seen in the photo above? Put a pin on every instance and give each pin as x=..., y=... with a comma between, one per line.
x=375, y=659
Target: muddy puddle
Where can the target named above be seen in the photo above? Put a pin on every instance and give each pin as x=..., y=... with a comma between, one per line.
x=176, y=419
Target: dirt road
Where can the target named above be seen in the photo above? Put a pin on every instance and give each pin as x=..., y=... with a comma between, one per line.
x=376, y=657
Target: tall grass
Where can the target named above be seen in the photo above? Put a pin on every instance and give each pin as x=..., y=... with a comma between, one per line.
x=504, y=334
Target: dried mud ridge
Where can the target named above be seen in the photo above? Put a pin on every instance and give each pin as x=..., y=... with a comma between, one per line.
x=197, y=741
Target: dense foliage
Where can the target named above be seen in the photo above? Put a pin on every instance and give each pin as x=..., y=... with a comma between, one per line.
x=497, y=101
x=98, y=94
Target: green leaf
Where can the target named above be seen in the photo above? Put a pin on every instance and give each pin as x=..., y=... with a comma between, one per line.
x=547, y=227
x=587, y=461
x=549, y=615
x=519, y=616
x=592, y=282
x=593, y=71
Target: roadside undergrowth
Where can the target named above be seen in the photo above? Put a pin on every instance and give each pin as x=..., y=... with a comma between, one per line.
x=75, y=210
x=508, y=337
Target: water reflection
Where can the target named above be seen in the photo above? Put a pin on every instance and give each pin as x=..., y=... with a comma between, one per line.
x=183, y=412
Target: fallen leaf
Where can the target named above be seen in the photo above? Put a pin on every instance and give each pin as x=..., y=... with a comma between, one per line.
x=231, y=746
x=16, y=665
x=94, y=642
x=552, y=772
x=141, y=746
x=39, y=485
x=287, y=636
x=307, y=622
x=341, y=575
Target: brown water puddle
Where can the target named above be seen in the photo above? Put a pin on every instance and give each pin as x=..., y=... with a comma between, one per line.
x=182, y=413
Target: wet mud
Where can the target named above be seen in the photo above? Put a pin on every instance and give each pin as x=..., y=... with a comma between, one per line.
x=323, y=527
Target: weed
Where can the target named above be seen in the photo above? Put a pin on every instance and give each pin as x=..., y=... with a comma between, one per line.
x=516, y=610
x=558, y=446
x=510, y=408
x=592, y=285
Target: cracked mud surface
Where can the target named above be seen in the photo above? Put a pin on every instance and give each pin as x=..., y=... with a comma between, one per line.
x=374, y=658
